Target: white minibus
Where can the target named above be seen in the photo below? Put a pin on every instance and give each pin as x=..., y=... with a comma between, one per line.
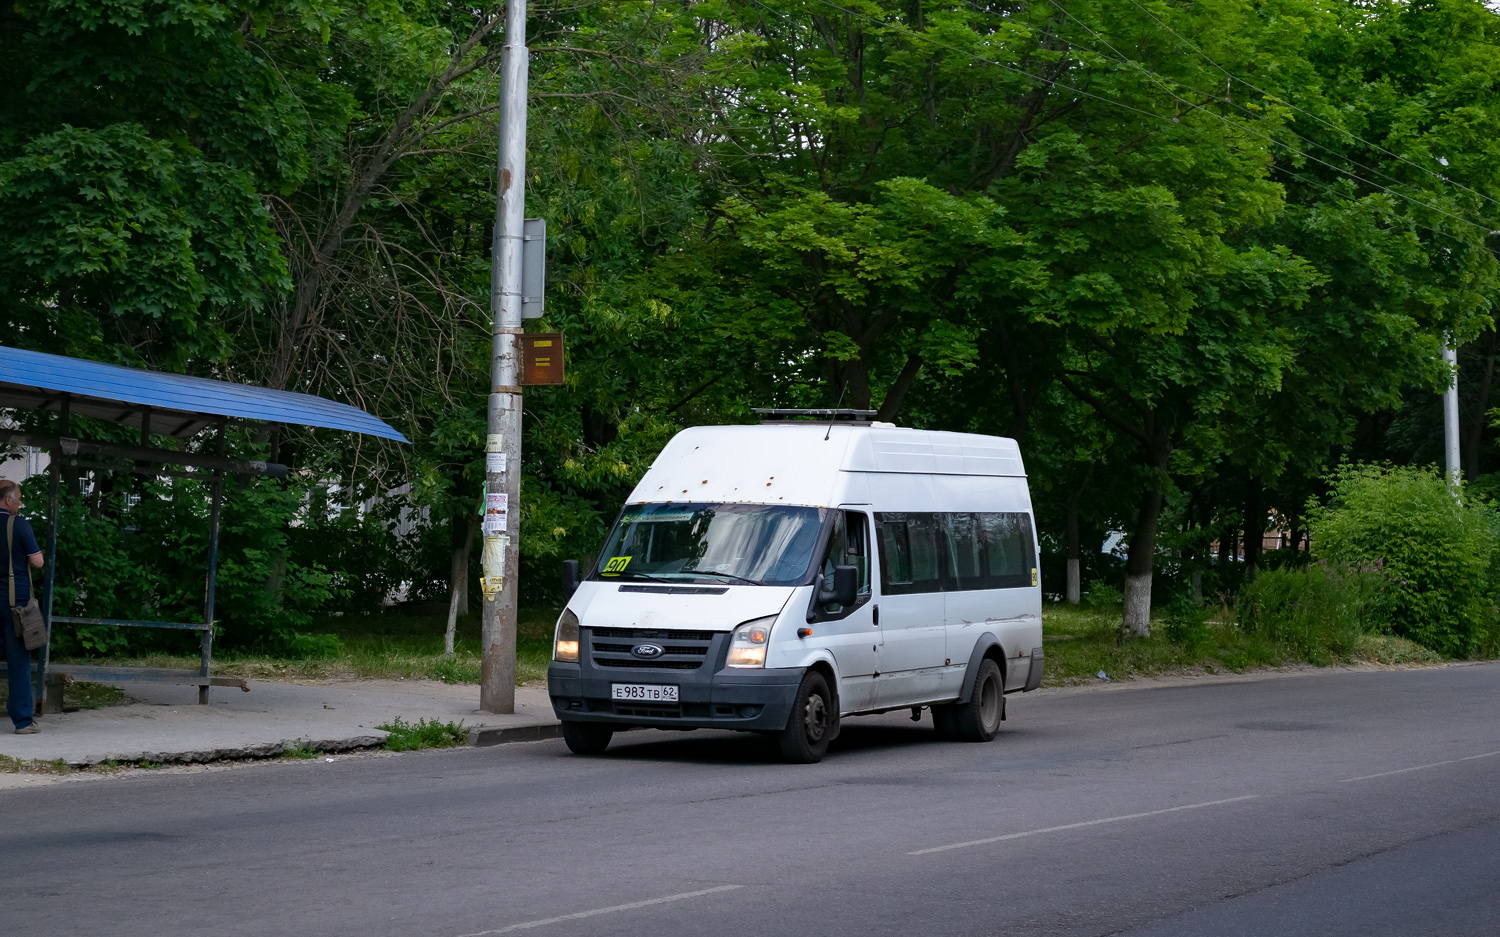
x=781, y=577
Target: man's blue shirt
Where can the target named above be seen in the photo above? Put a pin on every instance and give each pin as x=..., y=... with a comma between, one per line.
x=24, y=546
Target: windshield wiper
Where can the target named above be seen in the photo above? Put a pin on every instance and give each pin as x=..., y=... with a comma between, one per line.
x=714, y=572
x=626, y=577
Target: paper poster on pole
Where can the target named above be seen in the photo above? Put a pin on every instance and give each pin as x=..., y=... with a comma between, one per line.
x=494, y=462
x=492, y=561
x=496, y=513
x=494, y=442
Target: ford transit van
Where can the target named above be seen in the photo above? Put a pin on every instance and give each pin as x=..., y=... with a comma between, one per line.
x=780, y=578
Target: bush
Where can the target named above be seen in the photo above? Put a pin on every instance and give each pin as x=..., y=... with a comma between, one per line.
x=1187, y=624
x=1102, y=595
x=1436, y=554
x=1319, y=612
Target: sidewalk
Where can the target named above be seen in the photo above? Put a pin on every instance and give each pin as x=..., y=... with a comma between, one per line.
x=165, y=723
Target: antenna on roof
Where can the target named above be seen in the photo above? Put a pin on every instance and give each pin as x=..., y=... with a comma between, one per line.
x=842, y=390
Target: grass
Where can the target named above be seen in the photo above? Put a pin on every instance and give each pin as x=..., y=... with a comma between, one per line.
x=381, y=645
x=83, y=695
x=299, y=750
x=424, y=733
x=1081, y=641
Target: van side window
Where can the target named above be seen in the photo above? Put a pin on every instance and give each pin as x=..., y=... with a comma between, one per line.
x=895, y=554
x=849, y=545
x=955, y=552
x=1010, y=553
x=912, y=554
x=966, y=547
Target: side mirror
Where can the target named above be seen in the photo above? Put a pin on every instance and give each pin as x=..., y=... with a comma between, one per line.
x=569, y=577
x=845, y=586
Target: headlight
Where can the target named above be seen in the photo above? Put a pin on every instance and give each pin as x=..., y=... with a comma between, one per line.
x=747, y=645
x=565, y=645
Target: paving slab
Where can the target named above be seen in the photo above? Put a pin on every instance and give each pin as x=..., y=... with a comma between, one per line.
x=164, y=723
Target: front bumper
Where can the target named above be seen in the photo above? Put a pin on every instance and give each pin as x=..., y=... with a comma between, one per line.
x=709, y=697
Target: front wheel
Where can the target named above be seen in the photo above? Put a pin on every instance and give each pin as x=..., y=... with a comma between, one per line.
x=809, y=729
x=586, y=738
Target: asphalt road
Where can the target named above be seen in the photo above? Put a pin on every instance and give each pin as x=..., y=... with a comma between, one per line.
x=1349, y=803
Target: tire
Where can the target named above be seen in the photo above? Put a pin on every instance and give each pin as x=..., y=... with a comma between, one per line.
x=586, y=738
x=979, y=718
x=810, y=727
x=945, y=721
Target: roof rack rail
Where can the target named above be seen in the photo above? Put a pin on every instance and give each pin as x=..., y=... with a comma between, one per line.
x=840, y=415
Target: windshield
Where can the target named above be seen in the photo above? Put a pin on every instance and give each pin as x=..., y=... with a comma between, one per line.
x=760, y=544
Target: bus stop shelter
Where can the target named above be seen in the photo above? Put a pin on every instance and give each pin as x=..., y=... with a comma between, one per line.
x=157, y=404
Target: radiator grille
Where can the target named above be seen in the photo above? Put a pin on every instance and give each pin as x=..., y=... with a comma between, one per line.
x=610, y=647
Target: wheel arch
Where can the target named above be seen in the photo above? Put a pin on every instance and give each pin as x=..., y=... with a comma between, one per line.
x=987, y=647
x=830, y=673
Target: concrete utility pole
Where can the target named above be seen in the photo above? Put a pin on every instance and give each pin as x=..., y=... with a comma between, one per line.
x=1450, y=417
x=502, y=479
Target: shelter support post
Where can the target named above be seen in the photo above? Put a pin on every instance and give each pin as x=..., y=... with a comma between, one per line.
x=54, y=519
x=206, y=639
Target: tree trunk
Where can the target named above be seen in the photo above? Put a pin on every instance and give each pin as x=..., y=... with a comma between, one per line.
x=892, y=403
x=1139, y=563
x=458, y=576
x=1255, y=527
x=1481, y=408
x=1074, y=586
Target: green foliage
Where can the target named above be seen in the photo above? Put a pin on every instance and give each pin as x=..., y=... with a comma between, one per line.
x=424, y=733
x=1101, y=595
x=1187, y=624
x=1007, y=219
x=144, y=556
x=1438, y=555
x=1317, y=612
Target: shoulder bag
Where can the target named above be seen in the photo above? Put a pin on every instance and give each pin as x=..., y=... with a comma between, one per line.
x=30, y=627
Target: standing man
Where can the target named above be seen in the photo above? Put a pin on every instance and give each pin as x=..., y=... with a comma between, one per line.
x=23, y=555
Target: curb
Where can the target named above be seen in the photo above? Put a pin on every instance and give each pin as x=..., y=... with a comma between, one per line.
x=235, y=753
x=484, y=738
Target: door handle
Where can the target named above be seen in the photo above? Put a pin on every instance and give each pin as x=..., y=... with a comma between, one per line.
x=875, y=616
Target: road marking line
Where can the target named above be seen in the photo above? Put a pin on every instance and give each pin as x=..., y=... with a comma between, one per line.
x=1435, y=764
x=527, y=925
x=1075, y=826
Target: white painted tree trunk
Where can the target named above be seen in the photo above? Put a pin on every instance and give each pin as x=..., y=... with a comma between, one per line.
x=452, y=620
x=1075, y=592
x=1138, y=604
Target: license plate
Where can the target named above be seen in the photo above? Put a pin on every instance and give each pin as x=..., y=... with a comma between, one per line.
x=643, y=692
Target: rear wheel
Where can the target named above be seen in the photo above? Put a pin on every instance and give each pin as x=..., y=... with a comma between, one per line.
x=811, y=725
x=586, y=738
x=979, y=718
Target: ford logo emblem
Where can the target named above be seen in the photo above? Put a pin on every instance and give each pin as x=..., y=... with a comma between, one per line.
x=648, y=651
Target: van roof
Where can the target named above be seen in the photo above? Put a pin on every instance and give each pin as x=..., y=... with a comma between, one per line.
x=794, y=463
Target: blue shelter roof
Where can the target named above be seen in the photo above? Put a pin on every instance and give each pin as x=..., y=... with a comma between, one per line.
x=177, y=405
